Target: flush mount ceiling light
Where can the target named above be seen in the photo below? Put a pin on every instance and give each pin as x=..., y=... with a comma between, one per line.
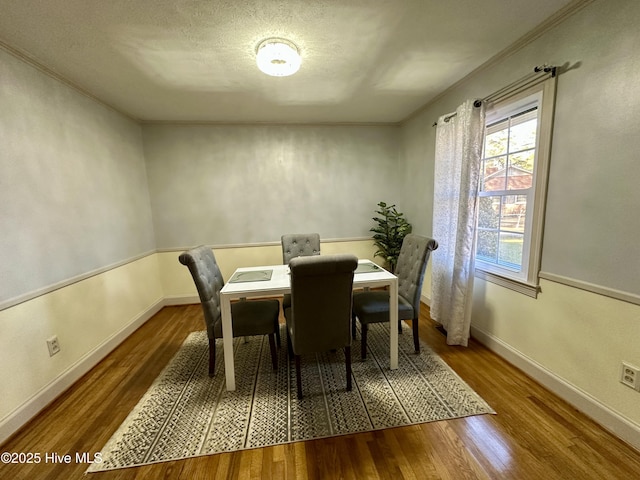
x=278, y=57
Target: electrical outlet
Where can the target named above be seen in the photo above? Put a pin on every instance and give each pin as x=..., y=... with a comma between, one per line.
x=54, y=345
x=630, y=376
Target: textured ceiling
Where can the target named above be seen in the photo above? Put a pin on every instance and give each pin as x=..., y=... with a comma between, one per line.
x=193, y=60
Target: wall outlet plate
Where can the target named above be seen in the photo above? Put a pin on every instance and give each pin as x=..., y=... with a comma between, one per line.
x=630, y=376
x=54, y=345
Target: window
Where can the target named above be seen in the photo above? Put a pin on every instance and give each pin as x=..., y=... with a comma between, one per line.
x=513, y=180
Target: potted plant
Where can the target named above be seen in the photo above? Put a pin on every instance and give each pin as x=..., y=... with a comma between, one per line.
x=389, y=233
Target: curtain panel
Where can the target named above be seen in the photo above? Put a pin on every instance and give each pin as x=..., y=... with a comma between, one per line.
x=459, y=140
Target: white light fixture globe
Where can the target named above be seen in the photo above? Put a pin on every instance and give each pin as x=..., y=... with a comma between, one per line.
x=278, y=57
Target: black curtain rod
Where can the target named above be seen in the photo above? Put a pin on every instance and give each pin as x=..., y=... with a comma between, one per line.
x=504, y=91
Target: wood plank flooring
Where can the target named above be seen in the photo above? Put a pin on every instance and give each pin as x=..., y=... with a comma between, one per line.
x=534, y=435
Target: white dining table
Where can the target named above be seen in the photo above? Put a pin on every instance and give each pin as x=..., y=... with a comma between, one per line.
x=248, y=282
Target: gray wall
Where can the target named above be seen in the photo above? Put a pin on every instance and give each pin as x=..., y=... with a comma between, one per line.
x=592, y=222
x=245, y=184
x=73, y=188
x=592, y=227
x=418, y=148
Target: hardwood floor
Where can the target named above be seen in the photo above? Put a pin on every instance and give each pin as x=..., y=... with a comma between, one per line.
x=534, y=435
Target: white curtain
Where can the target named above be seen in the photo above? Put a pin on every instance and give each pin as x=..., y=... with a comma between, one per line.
x=457, y=171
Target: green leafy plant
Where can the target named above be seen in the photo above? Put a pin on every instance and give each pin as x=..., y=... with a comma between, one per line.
x=389, y=233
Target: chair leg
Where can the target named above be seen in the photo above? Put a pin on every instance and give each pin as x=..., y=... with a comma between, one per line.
x=363, y=340
x=353, y=326
x=212, y=356
x=289, y=345
x=347, y=356
x=274, y=354
x=298, y=376
x=278, y=333
x=416, y=338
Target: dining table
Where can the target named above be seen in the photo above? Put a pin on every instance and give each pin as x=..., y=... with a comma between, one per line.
x=274, y=280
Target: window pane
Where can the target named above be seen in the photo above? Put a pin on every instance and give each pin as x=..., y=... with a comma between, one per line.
x=494, y=174
x=507, y=194
x=512, y=214
x=523, y=132
x=510, y=250
x=489, y=212
x=523, y=160
x=520, y=173
x=496, y=139
x=487, y=247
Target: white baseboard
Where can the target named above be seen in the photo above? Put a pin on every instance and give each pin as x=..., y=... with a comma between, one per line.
x=174, y=300
x=189, y=300
x=426, y=300
x=29, y=409
x=618, y=425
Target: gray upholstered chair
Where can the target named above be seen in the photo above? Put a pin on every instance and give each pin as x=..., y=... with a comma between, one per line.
x=259, y=317
x=373, y=306
x=298, y=245
x=320, y=313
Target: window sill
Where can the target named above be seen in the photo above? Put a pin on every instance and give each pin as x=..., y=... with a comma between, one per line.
x=520, y=287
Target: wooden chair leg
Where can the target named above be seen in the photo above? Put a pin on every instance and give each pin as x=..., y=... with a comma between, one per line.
x=353, y=326
x=347, y=356
x=212, y=356
x=274, y=354
x=363, y=340
x=298, y=376
x=289, y=345
x=416, y=338
x=278, y=333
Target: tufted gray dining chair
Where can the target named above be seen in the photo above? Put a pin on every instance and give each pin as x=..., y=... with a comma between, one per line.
x=320, y=313
x=373, y=306
x=255, y=317
x=298, y=245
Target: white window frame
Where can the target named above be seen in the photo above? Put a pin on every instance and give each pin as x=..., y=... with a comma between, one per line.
x=527, y=280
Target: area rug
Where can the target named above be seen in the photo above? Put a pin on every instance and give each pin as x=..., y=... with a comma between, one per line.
x=185, y=413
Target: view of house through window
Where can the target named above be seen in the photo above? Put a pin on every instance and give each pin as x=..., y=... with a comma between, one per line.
x=506, y=189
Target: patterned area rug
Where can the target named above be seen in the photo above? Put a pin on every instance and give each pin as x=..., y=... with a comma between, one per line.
x=185, y=413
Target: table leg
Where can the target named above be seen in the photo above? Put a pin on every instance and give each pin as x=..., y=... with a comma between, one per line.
x=393, y=320
x=227, y=342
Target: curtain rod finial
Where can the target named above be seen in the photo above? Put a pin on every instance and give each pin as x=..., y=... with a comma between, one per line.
x=546, y=69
